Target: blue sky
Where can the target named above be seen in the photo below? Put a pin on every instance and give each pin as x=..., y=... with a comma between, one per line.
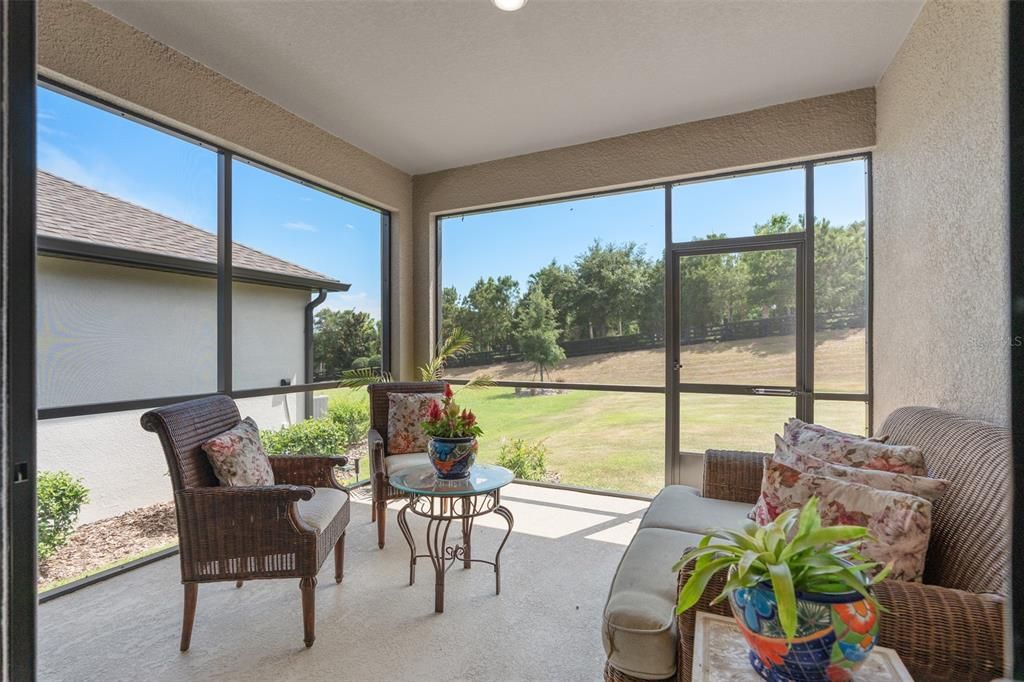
x=341, y=239
x=519, y=241
x=163, y=173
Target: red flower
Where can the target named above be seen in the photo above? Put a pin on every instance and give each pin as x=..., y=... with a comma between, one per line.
x=434, y=411
x=448, y=393
x=468, y=417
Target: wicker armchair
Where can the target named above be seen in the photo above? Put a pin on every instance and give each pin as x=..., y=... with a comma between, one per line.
x=950, y=627
x=286, y=530
x=378, y=444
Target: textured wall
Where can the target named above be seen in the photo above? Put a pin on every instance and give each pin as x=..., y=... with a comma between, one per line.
x=812, y=127
x=89, y=49
x=941, y=230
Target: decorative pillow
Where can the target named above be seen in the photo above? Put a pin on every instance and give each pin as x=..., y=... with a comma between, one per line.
x=405, y=412
x=930, y=489
x=798, y=432
x=900, y=523
x=861, y=453
x=237, y=456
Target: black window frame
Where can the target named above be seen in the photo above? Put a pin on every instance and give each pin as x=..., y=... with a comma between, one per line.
x=806, y=393
x=225, y=157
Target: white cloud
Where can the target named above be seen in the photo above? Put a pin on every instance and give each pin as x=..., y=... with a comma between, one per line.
x=359, y=301
x=299, y=225
x=349, y=226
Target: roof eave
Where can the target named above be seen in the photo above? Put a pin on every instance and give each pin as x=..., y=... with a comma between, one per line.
x=104, y=253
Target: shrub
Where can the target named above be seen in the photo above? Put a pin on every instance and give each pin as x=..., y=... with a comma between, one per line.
x=527, y=461
x=353, y=418
x=61, y=497
x=360, y=363
x=310, y=437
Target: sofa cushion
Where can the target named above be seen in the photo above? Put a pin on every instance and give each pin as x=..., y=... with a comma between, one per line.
x=639, y=630
x=395, y=463
x=680, y=507
x=321, y=509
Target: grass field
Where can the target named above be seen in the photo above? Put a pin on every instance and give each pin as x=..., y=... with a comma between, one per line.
x=615, y=440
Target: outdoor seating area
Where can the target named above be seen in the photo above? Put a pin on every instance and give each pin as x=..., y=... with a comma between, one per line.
x=511, y=340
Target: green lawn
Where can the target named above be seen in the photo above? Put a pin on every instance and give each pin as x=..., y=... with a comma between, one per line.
x=616, y=441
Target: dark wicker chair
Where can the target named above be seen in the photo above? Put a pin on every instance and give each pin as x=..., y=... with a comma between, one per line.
x=247, y=533
x=378, y=444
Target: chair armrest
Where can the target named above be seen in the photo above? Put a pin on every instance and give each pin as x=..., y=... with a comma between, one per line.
x=375, y=442
x=316, y=471
x=943, y=634
x=939, y=633
x=733, y=475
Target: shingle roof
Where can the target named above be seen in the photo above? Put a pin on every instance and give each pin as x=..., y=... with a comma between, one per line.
x=68, y=211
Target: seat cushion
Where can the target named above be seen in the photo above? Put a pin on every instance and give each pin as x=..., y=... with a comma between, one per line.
x=395, y=463
x=321, y=509
x=680, y=507
x=639, y=629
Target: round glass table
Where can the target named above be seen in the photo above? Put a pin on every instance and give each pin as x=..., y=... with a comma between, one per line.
x=442, y=501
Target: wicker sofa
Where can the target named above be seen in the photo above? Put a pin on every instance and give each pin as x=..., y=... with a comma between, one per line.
x=950, y=627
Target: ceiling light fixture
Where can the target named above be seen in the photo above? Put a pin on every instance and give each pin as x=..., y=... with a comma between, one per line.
x=509, y=5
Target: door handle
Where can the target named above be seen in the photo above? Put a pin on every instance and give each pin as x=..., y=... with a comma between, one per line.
x=785, y=392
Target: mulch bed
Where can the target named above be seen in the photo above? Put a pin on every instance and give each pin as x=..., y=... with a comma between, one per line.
x=97, y=544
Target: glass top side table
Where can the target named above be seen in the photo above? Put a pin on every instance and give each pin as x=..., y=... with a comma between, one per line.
x=442, y=501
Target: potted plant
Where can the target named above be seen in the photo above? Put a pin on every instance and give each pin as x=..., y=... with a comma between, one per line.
x=453, y=432
x=800, y=593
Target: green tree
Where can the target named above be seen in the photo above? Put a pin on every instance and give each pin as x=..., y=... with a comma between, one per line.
x=840, y=281
x=342, y=336
x=772, y=273
x=537, y=332
x=560, y=285
x=610, y=280
x=451, y=310
x=488, y=312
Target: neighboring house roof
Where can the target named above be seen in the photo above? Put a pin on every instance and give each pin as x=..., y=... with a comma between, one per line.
x=76, y=221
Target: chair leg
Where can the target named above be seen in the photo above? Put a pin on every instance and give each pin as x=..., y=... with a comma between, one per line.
x=189, y=617
x=382, y=520
x=339, y=559
x=373, y=512
x=308, y=587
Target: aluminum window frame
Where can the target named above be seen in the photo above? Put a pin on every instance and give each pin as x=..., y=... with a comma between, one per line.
x=806, y=395
x=224, y=275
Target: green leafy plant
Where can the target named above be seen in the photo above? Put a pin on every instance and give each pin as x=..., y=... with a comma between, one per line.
x=60, y=499
x=354, y=418
x=310, y=437
x=455, y=345
x=528, y=461
x=792, y=553
x=445, y=420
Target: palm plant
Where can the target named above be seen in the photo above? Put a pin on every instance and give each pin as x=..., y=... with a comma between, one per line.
x=455, y=345
x=792, y=553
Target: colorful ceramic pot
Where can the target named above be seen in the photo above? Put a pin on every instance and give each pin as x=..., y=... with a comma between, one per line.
x=834, y=634
x=452, y=457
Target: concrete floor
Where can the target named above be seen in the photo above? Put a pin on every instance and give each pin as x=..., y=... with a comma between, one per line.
x=545, y=625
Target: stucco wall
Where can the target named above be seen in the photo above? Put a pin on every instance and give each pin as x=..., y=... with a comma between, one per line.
x=95, y=52
x=941, y=223
x=108, y=333
x=819, y=126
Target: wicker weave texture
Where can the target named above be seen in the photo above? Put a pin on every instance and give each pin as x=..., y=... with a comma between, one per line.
x=969, y=546
x=733, y=475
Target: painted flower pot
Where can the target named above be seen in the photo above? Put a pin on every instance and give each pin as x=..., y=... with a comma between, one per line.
x=834, y=634
x=452, y=457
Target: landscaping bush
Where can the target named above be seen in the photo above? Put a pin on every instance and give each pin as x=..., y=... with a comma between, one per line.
x=353, y=418
x=61, y=497
x=310, y=437
x=527, y=461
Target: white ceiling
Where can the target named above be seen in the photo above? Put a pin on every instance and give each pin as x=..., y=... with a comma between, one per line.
x=432, y=84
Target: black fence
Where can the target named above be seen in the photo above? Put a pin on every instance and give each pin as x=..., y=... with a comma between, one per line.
x=714, y=333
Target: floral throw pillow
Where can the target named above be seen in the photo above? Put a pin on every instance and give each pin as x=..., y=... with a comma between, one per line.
x=930, y=489
x=798, y=432
x=405, y=412
x=238, y=458
x=900, y=523
x=853, y=451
